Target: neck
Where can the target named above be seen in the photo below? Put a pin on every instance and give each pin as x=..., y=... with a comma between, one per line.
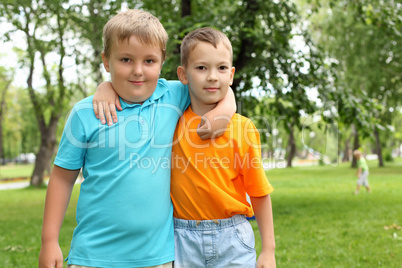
x=129, y=102
x=201, y=109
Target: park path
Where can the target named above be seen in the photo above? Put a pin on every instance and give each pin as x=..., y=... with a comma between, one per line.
x=18, y=184
x=14, y=185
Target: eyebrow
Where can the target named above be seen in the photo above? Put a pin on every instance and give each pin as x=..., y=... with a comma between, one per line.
x=208, y=62
x=128, y=54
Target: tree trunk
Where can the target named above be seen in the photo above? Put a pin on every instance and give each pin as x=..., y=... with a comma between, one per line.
x=51, y=102
x=185, y=11
x=291, y=147
x=43, y=157
x=356, y=145
x=346, y=151
x=378, y=148
x=185, y=8
x=246, y=45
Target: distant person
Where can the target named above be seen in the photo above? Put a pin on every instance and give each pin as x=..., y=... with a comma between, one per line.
x=362, y=172
x=124, y=211
x=211, y=178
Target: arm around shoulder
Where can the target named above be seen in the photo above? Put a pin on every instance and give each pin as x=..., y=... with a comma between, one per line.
x=214, y=123
x=105, y=102
x=58, y=195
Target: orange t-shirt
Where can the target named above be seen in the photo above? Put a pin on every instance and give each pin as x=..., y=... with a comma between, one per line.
x=210, y=178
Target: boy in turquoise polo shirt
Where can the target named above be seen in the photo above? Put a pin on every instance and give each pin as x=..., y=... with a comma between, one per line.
x=124, y=212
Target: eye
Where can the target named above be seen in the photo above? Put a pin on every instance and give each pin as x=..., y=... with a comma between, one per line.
x=149, y=61
x=223, y=68
x=125, y=60
x=201, y=68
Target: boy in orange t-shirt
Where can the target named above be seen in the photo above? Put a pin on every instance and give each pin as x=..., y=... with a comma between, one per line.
x=211, y=178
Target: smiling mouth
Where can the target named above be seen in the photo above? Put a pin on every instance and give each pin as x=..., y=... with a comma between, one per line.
x=137, y=83
x=211, y=89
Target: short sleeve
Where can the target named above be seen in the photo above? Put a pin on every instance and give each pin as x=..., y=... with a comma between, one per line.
x=255, y=180
x=73, y=144
x=178, y=94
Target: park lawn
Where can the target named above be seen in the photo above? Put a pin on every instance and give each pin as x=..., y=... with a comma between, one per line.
x=16, y=171
x=318, y=222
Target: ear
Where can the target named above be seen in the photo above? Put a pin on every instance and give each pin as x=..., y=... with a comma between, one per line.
x=232, y=72
x=181, y=74
x=105, y=62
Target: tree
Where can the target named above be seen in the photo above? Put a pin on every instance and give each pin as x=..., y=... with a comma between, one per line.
x=397, y=132
x=46, y=25
x=261, y=33
x=363, y=38
x=88, y=18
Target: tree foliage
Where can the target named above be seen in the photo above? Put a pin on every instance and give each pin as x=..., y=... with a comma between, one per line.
x=263, y=34
x=88, y=18
x=363, y=39
x=348, y=52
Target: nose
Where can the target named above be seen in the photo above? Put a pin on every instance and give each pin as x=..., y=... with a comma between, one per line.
x=137, y=69
x=212, y=76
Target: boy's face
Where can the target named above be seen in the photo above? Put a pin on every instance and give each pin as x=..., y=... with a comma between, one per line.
x=209, y=73
x=134, y=69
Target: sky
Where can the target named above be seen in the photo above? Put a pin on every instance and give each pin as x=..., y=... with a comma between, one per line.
x=8, y=58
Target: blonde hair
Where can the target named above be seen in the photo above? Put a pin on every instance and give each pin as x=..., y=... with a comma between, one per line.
x=143, y=25
x=206, y=34
x=357, y=152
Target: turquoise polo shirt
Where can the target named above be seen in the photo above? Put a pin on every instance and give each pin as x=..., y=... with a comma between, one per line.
x=124, y=212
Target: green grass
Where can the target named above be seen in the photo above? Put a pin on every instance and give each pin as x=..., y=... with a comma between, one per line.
x=16, y=171
x=318, y=222
x=21, y=213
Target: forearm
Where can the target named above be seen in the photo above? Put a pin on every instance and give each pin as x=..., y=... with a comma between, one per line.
x=263, y=214
x=58, y=195
x=105, y=101
x=227, y=106
x=220, y=116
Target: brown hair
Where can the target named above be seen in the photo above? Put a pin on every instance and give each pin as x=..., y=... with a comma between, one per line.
x=141, y=24
x=206, y=34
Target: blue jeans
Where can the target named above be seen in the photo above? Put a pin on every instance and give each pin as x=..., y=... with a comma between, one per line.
x=214, y=243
